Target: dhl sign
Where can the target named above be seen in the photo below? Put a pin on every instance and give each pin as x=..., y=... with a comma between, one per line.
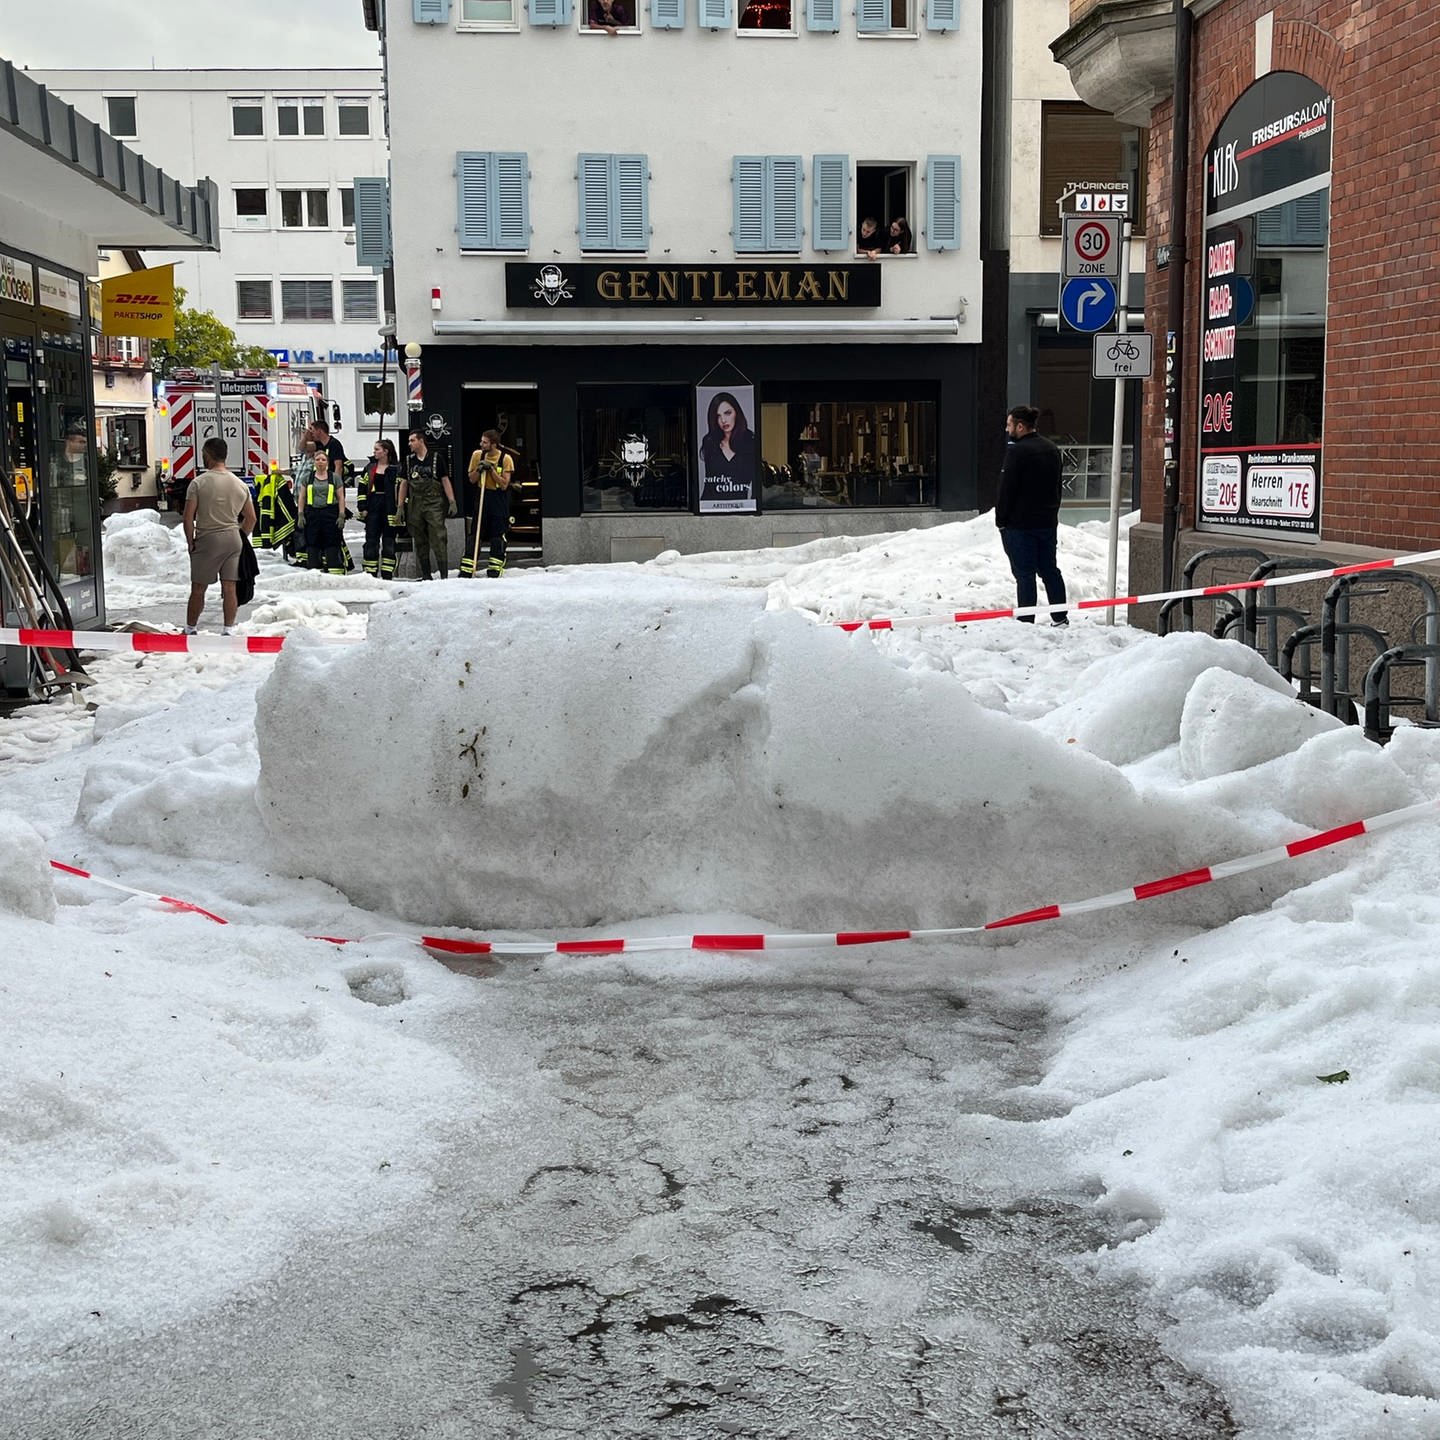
x=141, y=303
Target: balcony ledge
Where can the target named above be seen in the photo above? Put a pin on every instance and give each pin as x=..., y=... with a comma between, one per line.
x=1121, y=57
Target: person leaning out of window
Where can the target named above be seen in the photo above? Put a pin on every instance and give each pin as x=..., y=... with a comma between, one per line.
x=898, y=239
x=611, y=16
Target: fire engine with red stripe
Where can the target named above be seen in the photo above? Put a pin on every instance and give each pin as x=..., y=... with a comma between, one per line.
x=261, y=415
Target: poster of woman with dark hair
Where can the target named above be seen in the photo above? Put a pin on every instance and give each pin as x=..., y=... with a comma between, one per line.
x=729, y=455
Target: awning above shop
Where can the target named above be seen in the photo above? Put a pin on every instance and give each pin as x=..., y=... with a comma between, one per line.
x=66, y=171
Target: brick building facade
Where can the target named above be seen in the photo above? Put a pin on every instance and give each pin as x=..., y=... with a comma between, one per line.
x=1369, y=267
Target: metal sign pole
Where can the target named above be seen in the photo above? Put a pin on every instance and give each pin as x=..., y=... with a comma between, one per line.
x=1117, y=433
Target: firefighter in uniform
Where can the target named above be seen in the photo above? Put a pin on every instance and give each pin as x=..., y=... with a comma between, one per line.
x=425, y=500
x=492, y=470
x=277, y=511
x=375, y=499
x=322, y=505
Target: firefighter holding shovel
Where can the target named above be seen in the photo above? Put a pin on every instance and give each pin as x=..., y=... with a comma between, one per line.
x=492, y=470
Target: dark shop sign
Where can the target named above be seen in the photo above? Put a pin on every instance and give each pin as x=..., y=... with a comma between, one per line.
x=1277, y=135
x=691, y=287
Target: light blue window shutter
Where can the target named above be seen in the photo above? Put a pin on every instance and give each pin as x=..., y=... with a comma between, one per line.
x=594, y=182
x=473, y=176
x=942, y=14
x=830, y=180
x=667, y=14
x=510, y=211
x=431, y=12
x=630, y=202
x=748, y=182
x=786, y=201
x=942, y=202
x=714, y=14
x=872, y=15
x=372, y=221
x=549, y=12
x=822, y=14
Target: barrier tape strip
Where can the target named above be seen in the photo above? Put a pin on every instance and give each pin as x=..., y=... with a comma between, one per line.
x=965, y=617
x=179, y=644
x=1148, y=890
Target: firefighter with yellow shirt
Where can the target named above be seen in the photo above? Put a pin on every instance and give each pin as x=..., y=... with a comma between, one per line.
x=492, y=470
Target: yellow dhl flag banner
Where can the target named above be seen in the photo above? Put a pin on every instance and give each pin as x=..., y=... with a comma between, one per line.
x=141, y=303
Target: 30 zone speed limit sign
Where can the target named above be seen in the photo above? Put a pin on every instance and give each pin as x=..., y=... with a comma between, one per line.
x=1092, y=245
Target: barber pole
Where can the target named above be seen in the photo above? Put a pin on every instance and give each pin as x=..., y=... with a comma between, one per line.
x=414, y=396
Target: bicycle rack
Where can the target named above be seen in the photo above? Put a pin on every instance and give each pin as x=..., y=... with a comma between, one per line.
x=1336, y=629
x=1255, y=612
x=1270, y=614
x=1187, y=604
x=1378, y=701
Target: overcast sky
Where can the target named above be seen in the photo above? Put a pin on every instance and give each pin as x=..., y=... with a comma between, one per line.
x=190, y=34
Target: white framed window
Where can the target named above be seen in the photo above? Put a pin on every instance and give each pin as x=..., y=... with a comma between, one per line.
x=305, y=209
x=487, y=15
x=302, y=116
x=307, y=299
x=120, y=116
x=347, y=207
x=886, y=17
x=255, y=299
x=252, y=207
x=352, y=115
x=885, y=194
x=360, y=299
x=766, y=17
x=247, y=117
x=608, y=17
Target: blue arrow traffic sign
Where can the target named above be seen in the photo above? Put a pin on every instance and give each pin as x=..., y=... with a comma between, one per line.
x=1088, y=303
x=1242, y=292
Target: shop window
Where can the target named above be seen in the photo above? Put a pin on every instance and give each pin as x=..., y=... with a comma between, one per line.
x=1078, y=414
x=347, y=207
x=847, y=454
x=120, y=116
x=247, y=117
x=493, y=204
x=1085, y=147
x=307, y=300
x=768, y=203
x=125, y=441
x=359, y=300
x=352, y=116
x=766, y=17
x=254, y=300
x=883, y=196
x=252, y=208
x=635, y=447
x=487, y=15
x=610, y=17
x=305, y=116
x=614, y=202
x=885, y=17
x=305, y=209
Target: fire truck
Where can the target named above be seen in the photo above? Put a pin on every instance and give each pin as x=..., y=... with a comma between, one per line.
x=262, y=416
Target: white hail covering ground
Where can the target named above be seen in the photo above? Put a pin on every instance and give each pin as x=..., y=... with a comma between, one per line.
x=671, y=748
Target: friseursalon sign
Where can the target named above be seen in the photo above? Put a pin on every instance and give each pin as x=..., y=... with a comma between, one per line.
x=647, y=287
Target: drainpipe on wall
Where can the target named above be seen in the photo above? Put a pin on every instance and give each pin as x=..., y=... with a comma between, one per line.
x=1175, y=321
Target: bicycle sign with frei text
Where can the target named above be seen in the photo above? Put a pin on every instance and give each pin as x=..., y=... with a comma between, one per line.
x=1123, y=357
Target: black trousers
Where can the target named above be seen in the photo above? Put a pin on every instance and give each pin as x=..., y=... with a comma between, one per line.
x=324, y=548
x=494, y=523
x=378, y=556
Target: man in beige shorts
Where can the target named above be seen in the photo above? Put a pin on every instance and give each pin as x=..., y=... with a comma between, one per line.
x=217, y=508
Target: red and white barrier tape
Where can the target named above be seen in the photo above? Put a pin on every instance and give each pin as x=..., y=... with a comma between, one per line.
x=965, y=617
x=94, y=640
x=1221, y=870
x=157, y=644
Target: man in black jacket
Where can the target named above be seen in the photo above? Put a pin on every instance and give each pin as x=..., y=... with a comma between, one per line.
x=1027, y=510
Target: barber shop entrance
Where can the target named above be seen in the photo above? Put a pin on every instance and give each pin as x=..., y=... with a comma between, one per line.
x=513, y=411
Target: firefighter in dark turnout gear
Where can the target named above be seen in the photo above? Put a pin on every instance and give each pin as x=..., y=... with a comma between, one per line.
x=276, y=509
x=425, y=500
x=322, y=505
x=492, y=470
x=376, y=497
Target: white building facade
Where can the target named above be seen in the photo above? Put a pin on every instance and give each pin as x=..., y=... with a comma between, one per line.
x=613, y=226
x=285, y=148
